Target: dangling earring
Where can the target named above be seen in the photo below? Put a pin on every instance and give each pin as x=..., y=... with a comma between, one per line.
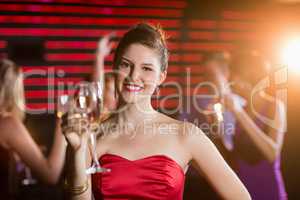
x=115, y=93
x=156, y=92
x=115, y=87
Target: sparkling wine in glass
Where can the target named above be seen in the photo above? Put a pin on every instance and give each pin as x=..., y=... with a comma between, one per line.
x=88, y=99
x=62, y=105
x=95, y=122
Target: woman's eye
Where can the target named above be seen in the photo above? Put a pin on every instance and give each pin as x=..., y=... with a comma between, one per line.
x=147, y=69
x=124, y=65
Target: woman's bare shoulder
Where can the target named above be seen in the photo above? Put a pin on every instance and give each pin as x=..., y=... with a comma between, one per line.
x=9, y=122
x=190, y=138
x=9, y=126
x=191, y=135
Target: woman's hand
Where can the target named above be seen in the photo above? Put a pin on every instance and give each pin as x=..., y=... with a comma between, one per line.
x=232, y=102
x=105, y=45
x=209, y=112
x=103, y=49
x=75, y=128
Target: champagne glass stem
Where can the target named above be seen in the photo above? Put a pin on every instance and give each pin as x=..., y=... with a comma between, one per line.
x=96, y=167
x=93, y=150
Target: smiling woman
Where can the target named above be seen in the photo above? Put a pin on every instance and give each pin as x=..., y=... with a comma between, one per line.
x=141, y=62
x=137, y=78
x=147, y=160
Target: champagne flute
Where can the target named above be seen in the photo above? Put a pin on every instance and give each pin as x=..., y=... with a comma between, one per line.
x=88, y=102
x=62, y=105
x=94, y=118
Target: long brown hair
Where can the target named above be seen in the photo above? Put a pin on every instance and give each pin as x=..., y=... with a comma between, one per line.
x=148, y=35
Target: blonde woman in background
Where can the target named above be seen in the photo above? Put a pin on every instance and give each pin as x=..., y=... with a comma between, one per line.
x=15, y=138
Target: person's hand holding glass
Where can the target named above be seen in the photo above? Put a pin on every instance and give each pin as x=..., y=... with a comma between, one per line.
x=82, y=119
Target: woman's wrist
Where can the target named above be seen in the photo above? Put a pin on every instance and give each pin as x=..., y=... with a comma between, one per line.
x=77, y=164
x=80, y=150
x=100, y=56
x=76, y=190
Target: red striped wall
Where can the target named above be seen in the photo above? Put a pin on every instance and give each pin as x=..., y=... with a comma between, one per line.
x=71, y=29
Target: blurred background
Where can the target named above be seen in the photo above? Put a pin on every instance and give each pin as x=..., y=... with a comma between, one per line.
x=57, y=39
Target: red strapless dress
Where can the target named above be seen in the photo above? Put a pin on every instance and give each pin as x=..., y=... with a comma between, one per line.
x=152, y=177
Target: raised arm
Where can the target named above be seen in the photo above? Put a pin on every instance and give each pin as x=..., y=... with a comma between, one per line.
x=270, y=142
x=208, y=161
x=103, y=49
x=19, y=140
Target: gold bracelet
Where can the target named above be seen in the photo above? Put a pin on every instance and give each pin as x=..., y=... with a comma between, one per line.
x=76, y=190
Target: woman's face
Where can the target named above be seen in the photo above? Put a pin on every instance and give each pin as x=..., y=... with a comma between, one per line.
x=139, y=73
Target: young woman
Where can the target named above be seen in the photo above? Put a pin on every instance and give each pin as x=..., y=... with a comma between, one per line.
x=146, y=151
x=260, y=128
x=14, y=137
